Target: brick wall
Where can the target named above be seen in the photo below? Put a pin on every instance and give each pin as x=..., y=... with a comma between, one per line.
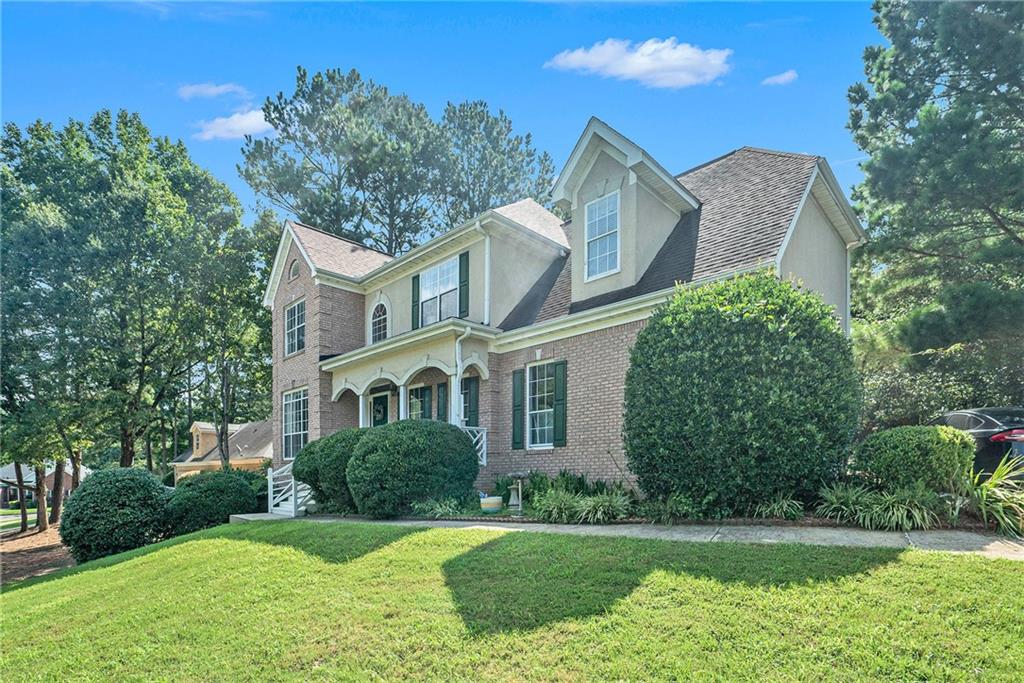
x=596, y=365
x=334, y=324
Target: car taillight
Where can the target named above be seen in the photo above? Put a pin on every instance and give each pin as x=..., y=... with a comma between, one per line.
x=1011, y=435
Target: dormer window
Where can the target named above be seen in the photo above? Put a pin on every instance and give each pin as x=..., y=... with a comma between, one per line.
x=602, y=252
x=293, y=270
x=379, y=324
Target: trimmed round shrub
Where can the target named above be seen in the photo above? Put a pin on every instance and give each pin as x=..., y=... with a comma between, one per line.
x=738, y=392
x=896, y=458
x=208, y=499
x=113, y=511
x=336, y=450
x=306, y=468
x=409, y=461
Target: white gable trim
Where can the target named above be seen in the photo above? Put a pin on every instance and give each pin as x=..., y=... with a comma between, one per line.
x=636, y=159
x=277, y=271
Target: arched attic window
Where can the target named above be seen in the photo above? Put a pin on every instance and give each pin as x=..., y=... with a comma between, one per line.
x=379, y=323
x=293, y=270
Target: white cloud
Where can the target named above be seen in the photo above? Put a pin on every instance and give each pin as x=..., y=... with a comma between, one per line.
x=192, y=90
x=233, y=127
x=784, y=78
x=655, y=63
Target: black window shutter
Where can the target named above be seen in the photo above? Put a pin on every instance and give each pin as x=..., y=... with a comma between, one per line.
x=560, y=403
x=518, y=417
x=415, y=301
x=442, y=402
x=464, y=284
x=425, y=393
x=472, y=388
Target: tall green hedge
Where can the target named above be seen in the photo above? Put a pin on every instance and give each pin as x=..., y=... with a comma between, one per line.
x=936, y=456
x=322, y=465
x=403, y=462
x=739, y=391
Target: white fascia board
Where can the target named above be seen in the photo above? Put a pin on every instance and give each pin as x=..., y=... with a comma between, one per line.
x=635, y=155
x=840, y=199
x=792, y=224
x=450, y=326
x=277, y=271
x=601, y=317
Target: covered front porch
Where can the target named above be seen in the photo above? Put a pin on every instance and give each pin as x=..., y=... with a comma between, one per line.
x=433, y=373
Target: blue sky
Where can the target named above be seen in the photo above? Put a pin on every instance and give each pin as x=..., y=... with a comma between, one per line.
x=198, y=71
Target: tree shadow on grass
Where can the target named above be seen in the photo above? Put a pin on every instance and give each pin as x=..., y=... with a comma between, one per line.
x=335, y=543
x=521, y=581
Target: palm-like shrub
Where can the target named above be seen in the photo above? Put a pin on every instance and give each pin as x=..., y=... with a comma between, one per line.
x=899, y=457
x=403, y=462
x=739, y=391
x=997, y=499
x=112, y=511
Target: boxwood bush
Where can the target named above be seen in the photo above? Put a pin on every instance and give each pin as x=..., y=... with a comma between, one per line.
x=403, y=462
x=112, y=511
x=306, y=468
x=740, y=391
x=208, y=499
x=936, y=456
x=322, y=465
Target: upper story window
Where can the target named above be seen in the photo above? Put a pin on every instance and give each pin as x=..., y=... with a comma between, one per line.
x=602, y=253
x=293, y=270
x=295, y=328
x=439, y=292
x=379, y=323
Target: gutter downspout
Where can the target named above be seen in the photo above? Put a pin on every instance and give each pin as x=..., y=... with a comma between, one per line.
x=487, y=278
x=457, y=389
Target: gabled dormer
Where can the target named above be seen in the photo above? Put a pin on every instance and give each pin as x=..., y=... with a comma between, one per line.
x=623, y=204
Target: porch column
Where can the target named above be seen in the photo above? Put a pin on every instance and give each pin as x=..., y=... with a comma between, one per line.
x=362, y=410
x=403, y=402
x=454, y=401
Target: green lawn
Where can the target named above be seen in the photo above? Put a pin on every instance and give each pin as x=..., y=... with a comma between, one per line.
x=299, y=600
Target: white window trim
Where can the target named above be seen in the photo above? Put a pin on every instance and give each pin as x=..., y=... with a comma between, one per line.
x=387, y=322
x=286, y=309
x=437, y=266
x=587, y=277
x=526, y=410
x=284, y=434
x=408, y=395
x=369, y=400
x=293, y=270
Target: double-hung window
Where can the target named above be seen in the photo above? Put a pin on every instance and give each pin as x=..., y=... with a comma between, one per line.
x=540, y=406
x=419, y=403
x=602, y=252
x=439, y=292
x=295, y=328
x=295, y=419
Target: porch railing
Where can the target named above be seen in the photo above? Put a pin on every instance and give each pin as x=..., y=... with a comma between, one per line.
x=479, y=437
x=285, y=495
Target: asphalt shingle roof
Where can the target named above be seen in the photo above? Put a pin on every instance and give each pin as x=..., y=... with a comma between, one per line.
x=337, y=254
x=748, y=200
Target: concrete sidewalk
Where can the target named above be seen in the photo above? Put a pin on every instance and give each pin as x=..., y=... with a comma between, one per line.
x=987, y=545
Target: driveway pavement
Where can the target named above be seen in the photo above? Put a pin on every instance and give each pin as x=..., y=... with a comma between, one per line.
x=987, y=545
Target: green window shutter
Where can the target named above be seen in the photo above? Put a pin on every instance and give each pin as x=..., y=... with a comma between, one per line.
x=464, y=284
x=518, y=416
x=415, y=301
x=442, y=402
x=560, y=403
x=471, y=385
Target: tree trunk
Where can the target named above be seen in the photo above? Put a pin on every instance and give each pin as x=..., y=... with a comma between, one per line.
x=127, y=448
x=58, y=491
x=222, y=440
x=20, y=478
x=41, y=522
x=149, y=450
x=76, y=468
x=174, y=430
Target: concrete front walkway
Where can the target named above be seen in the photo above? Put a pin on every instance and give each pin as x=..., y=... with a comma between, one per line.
x=947, y=540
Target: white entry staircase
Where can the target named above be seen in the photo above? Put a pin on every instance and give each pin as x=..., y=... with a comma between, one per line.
x=285, y=495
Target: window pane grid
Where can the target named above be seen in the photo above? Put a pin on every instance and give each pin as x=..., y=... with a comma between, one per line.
x=603, y=235
x=540, y=414
x=418, y=399
x=379, y=324
x=439, y=292
x=295, y=416
x=295, y=328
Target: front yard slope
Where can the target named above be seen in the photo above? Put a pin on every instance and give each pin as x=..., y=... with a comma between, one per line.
x=300, y=600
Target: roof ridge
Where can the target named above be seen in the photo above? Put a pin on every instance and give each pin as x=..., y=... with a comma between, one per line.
x=780, y=153
x=339, y=237
x=707, y=163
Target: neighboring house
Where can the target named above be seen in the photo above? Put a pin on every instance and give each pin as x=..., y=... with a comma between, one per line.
x=9, y=482
x=249, y=448
x=518, y=327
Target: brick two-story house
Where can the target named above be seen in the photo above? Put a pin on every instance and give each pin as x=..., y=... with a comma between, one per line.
x=518, y=326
